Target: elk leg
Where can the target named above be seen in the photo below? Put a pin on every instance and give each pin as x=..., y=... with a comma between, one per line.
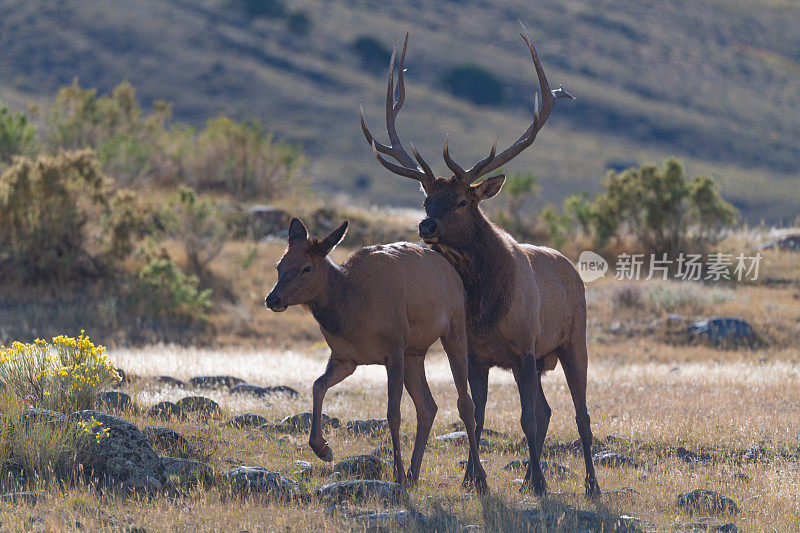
x=335, y=372
x=526, y=377
x=574, y=361
x=417, y=387
x=542, y=417
x=478, y=377
x=455, y=345
x=395, y=376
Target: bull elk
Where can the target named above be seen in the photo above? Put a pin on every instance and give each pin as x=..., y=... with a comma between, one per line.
x=385, y=305
x=526, y=306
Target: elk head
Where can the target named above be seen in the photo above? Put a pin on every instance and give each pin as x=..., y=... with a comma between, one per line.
x=451, y=204
x=302, y=271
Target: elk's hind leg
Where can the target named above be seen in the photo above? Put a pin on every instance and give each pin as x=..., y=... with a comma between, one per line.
x=417, y=387
x=527, y=377
x=543, y=411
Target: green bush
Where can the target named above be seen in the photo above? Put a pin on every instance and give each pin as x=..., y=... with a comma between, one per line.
x=474, y=83
x=162, y=290
x=198, y=224
x=50, y=219
x=661, y=209
x=17, y=135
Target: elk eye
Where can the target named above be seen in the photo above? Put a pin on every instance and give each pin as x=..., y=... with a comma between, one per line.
x=306, y=270
x=462, y=203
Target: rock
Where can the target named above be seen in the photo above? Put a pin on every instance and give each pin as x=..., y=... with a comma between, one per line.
x=169, y=441
x=246, y=420
x=302, y=422
x=114, y=399
x=122, y=459
x=707, y=501
x=384, y=450
x=612, y=459
x=754, y=454
x=624, y=492
x=166, y=410
x=368, y=427
x=305, y=468
x=548, y=468
x=789, y=242
x=459, y=426
x=42, y=415
x=187, y=471
x=689, y=456
x=458, y=437
x=28, y=497
x=360, y=467
x=170, y=381
x=215, y=382
x=283, y=389
x=255, y=479
x=265, y=220
x=246, y=388
x=361, y=490
x=723, y=331
x=566, y=518
x=199, y=404
x=392, y=520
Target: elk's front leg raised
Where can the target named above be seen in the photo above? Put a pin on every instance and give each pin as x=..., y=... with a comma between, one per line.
x=335, y=372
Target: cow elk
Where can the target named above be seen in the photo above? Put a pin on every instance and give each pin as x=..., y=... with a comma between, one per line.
x=526, y=306
x=384, y=306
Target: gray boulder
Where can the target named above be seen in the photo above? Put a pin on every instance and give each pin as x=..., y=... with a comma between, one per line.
x=360, y=467
x=114, y=399
x=170, y=381
x=169, y=441
x=707, y=501
x=199, y=404
x=302, y=422
x=119, y=458
x=246, y=420
x=611, y=459
x=255, y=479
x=187, y=471
x=362, y=490
x=368, y=427
x=166, y=410
x=731, y=332
x=215, y=382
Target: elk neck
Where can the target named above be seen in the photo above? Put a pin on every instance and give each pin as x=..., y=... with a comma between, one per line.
x=330, y=307
x=486, y=267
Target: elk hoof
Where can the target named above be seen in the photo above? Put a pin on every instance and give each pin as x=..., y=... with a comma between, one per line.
x=538, y=489
x=324, y=452
x=592, y=489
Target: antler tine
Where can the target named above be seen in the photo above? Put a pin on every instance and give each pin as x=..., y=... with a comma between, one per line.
x=540, y=116
x=408, y=167
x=452, y=165
x=475, y=172
x=425, y=166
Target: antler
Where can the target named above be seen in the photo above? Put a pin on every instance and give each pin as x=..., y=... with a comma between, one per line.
x=421, y=172
x=490, y=162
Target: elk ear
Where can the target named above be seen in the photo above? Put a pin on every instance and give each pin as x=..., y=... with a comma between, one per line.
x=297, y=231
x=489, y=187
x=335, y=237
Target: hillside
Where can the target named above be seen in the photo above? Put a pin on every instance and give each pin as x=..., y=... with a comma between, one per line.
x=717, y=84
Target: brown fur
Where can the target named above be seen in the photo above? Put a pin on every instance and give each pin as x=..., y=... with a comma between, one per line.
x=385, y=305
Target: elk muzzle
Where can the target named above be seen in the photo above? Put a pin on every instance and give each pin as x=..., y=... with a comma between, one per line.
x=429, y=231
x=273, y=302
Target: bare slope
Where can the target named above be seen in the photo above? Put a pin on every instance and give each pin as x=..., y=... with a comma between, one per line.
x=715, y=83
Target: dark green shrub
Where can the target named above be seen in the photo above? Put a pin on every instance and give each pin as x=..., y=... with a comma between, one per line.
x=474, y=83
x=17, y=135
x=373, y=55
x=162, y=290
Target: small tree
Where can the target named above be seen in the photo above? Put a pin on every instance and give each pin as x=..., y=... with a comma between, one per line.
x=17, y=134
x=661, y=209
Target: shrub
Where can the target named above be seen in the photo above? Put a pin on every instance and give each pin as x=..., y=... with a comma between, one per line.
x=17, y=134
x=661, y=209
x=162, y=290
x=474, y=83
x=64, y=376
x=48, y=210
x=373, y=55
x=197, y=223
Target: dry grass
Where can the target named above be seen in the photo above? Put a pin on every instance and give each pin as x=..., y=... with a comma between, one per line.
x=650, y=398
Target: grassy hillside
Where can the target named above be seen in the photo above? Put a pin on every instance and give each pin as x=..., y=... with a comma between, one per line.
x=717, y=84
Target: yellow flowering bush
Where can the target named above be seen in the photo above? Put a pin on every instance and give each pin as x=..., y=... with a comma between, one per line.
x=62, y=375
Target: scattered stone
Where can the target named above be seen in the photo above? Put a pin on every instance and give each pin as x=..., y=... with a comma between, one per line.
x=566, y=518
x=246, y=420
x=247, y=388
x=392, y=520
x=708, y=523
x=122, y=459
x=199, y=404
x=361, y=490
x=42, y=415
x=611, y=459
x=754, y=454
x=283, y=389
x=459, y=426
x=114, y=399
x=689, y=456
x=305, y=468
x=624, y=492
x=187, y=471
x=464, y=462
x=28, y=497
x=360, y=467
x=170, y=381
x=166, y=410
x=790, y=242
x=368, y=427
x=728, y=331
x=245, y=479
x=707, y=501
x=384, y=450
x=169, y=441
x=302, y=422
x=459, y=437
x=548, y=468
x=215, y=382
